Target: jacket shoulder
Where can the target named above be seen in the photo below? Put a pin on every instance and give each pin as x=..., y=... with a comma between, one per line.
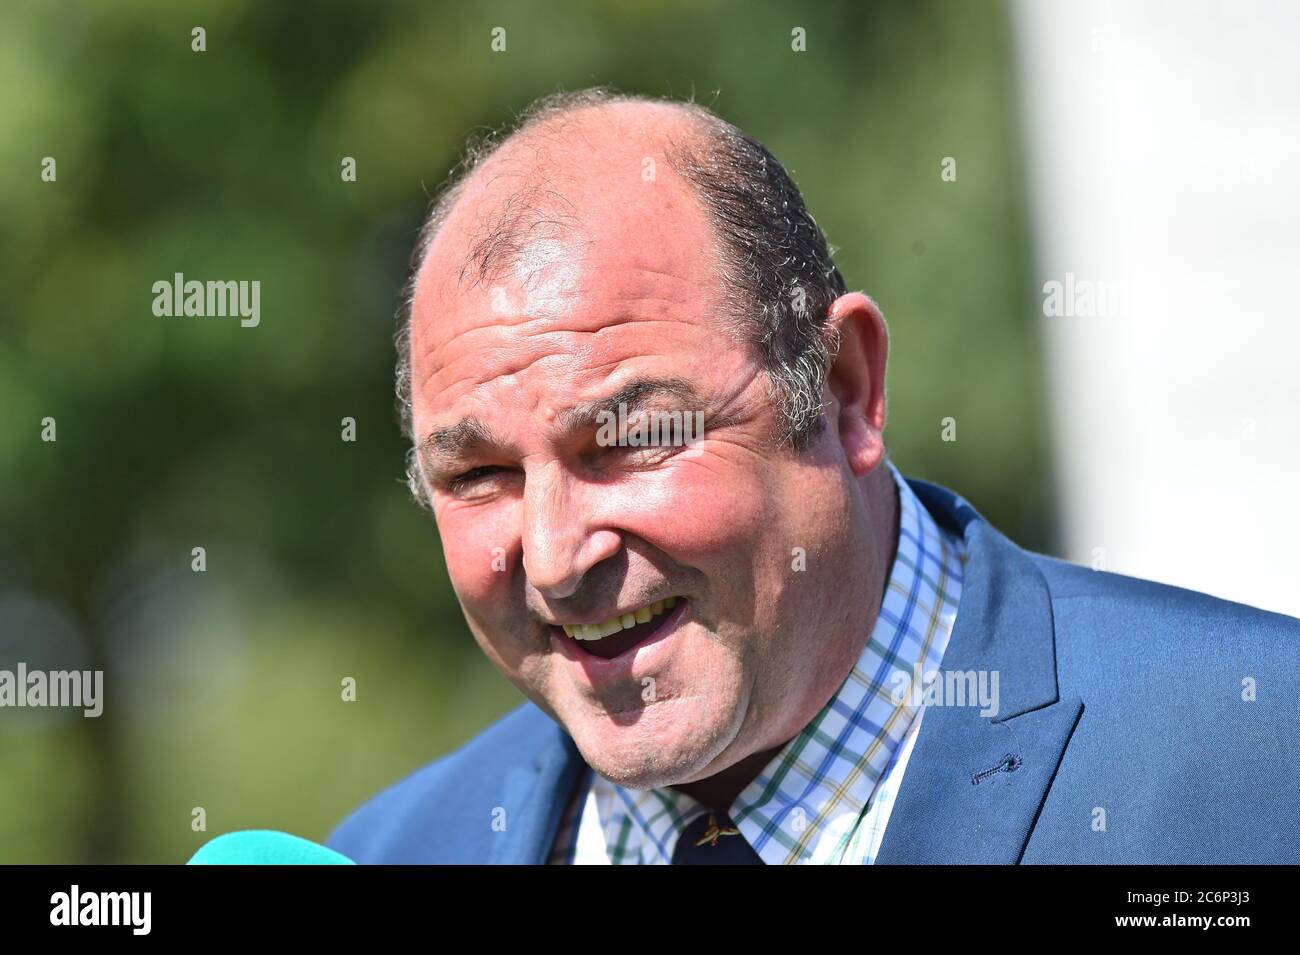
x=434, y=814
x=1154, y=602
x=1185, y=744
x=1106, y=624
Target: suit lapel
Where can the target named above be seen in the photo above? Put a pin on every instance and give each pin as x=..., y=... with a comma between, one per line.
x=534, y=797
x=974, y=784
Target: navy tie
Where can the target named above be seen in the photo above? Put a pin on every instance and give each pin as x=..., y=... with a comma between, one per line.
x=713, y=839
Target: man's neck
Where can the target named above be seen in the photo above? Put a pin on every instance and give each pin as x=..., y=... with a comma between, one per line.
x=720, y=790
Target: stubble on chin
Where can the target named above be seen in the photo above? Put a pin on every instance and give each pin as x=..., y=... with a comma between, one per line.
x=666, y=744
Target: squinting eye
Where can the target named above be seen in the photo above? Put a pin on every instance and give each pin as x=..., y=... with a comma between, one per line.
x=462, y=481
x=648, y=455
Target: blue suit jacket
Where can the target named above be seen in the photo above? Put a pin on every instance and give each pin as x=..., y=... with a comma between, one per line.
x=1121, y=705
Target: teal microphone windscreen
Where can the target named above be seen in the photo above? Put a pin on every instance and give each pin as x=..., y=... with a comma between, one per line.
x=265, y=847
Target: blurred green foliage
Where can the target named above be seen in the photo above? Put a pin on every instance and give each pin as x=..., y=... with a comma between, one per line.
x=224, y=687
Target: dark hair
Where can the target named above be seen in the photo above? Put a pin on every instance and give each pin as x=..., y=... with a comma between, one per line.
x=781, y=277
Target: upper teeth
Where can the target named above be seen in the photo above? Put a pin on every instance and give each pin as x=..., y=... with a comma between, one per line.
x=626, y=621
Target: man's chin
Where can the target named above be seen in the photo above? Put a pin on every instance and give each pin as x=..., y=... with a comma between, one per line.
x=663, y=745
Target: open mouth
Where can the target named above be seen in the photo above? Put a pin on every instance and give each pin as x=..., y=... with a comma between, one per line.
x=617, y=635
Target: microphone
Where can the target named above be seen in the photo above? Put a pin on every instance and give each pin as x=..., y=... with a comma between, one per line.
x=265, y=847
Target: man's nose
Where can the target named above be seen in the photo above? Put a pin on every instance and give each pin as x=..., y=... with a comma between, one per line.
x=560, y=541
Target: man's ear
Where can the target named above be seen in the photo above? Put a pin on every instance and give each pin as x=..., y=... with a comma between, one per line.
x=857, y=379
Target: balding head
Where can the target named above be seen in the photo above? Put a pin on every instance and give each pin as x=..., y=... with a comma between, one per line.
x=529, y=186
x=563, y=162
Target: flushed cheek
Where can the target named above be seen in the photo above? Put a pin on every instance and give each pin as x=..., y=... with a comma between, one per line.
x=479, y=550
x=693, y=512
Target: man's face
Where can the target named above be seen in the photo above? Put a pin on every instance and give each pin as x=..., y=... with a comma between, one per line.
x=543, y=526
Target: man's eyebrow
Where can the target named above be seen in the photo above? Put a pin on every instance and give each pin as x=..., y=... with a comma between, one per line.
x=443, y=445
x=634, y=395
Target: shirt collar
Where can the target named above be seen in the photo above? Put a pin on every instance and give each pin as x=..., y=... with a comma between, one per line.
x=807, y=802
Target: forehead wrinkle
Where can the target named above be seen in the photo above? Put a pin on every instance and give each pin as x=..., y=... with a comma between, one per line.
x=505, y=360
x=568, y=347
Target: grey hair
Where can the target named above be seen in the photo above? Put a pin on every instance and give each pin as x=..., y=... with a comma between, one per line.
x=776, y=261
